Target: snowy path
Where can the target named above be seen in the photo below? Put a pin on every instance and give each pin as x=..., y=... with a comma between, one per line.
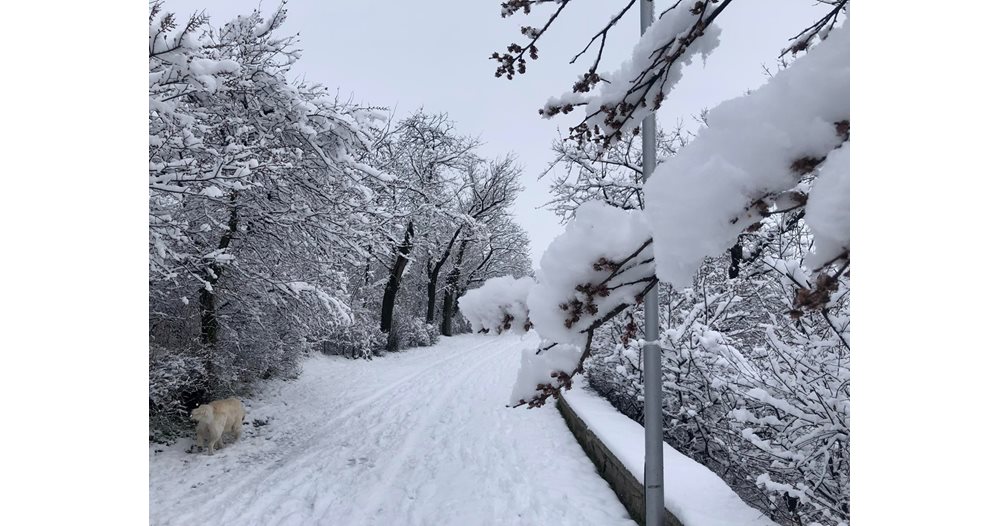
x=418, y=437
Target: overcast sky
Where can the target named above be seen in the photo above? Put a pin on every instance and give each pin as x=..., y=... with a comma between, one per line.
x=435, y=54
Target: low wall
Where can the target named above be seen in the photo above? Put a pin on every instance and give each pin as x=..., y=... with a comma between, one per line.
x=629, y=490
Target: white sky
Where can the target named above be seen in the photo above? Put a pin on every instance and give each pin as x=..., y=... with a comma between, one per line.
x=435, y=54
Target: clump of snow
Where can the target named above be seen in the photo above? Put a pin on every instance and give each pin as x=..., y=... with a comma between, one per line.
x=341, y=311
x=697, y=198
x=204, y=66
x=691, y=492
x=212, y=191
x=499, y=305
x=598, y=232
x=828, y=212
x=601, y=261
x=537, y=368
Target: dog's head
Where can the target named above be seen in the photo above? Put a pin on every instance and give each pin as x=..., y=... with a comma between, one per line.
x=202, y=413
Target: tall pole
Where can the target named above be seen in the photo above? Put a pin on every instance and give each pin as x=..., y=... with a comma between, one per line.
x=652, y=380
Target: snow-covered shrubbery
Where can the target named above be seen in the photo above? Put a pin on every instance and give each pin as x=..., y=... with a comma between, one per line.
x=361, y=339
x=177, y=382
x=757, y=396
x=499, y=305
x=418, y=333
x=411, y=331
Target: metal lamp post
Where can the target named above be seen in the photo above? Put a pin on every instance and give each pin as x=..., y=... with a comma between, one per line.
x=652, y=379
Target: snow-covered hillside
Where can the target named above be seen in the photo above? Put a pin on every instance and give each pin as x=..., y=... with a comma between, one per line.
x=419, y=437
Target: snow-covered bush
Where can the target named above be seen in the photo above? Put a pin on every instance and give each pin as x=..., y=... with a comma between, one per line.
x=411, y=331
x=247, y=352
x=754, y=388
x=792, y=391
x=177, y=383
x=760, y=398
x=420, y=334
x=614, y=366
x=499, y=305
x=361, y=339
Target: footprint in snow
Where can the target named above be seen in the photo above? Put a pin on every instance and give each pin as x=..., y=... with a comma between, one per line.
x=363, y=461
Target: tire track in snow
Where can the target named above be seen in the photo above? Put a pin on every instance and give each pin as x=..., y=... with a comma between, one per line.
x=402, y=456
x=316, y=474
x=294, y=459
x=428, y=442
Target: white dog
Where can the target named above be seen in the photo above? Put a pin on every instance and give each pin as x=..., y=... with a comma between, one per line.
x=216, y=418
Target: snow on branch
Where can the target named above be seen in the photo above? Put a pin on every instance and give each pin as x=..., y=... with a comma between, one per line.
x=755, y=160
x=499, y=305
x=642, y=83
x=639, y=87
x=828, y=212
x=598, y=267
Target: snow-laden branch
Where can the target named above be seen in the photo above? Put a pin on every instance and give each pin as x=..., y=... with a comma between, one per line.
x=498, y=306
x=757, y=147
x=597, y=267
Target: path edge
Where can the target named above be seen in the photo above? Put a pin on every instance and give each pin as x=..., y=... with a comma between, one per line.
x=623, y=483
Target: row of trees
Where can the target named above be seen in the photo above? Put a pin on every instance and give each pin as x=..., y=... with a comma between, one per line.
x=282, y=219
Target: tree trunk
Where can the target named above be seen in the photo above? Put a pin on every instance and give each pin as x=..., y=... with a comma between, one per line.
x=396, y=278
x=447, y=309
x=450, y=284
x=209, y=323
x=206, y=295
x=434, y=272
x=432, y=277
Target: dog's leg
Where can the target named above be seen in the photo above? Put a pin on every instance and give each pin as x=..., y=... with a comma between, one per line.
x=236, y=428
x=199, y=438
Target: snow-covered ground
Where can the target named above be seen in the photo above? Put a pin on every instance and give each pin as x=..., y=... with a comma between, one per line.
x=418, y=437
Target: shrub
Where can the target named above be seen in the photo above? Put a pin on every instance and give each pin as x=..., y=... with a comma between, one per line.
x=359, y=340
x=411, y=331
x=178, y=383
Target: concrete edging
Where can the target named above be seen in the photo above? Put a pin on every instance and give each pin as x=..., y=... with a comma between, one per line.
x=623, y=483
